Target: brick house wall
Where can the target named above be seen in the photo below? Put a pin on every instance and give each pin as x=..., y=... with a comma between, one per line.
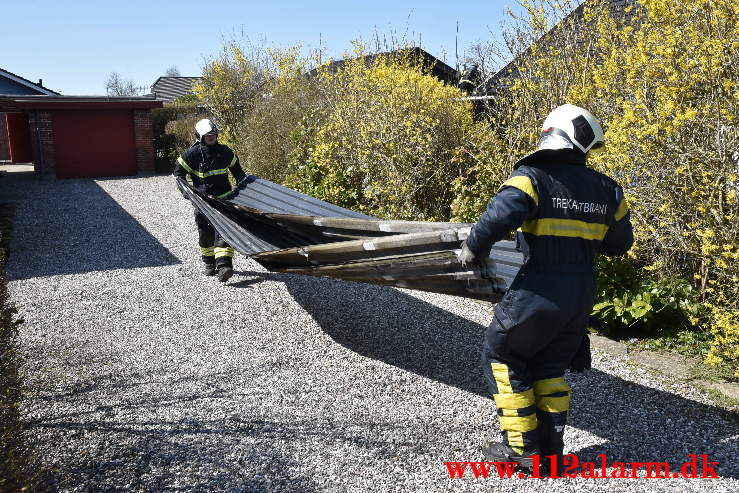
x=4, y=144
x=144, y=139
x=41, y=130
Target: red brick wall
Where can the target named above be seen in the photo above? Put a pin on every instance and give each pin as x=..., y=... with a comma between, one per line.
x=144, y=141
x=4, y=146
x=45, y=162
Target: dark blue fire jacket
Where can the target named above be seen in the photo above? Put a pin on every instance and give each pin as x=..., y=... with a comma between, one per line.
x=565, y=214
x=209, y=168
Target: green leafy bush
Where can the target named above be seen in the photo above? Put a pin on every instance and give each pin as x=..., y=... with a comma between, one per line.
x=631, y=300
x=169, y=136
x=392, y=141
x=383, y=138
x=662, y=77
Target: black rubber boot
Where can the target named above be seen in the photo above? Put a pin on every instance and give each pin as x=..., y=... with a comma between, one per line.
x=225, y=273
x=209, y=270
x=551, y=439
x=500, y=452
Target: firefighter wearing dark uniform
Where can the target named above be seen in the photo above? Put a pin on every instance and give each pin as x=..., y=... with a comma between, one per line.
x=469, y=79
x=565, y=214
x=208, y=163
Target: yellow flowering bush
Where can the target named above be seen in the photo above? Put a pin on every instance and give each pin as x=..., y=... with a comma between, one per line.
x=383, y=136
x=230, y=86
x=663, y=78
x=384, y=139
x=287, y=98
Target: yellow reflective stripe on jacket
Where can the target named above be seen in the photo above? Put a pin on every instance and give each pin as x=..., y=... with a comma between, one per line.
x=622, y=210
x=213, y=172
x=184, y=164
x=524, y=184
x=571, y=228
x=233, y=161
x=221, y=171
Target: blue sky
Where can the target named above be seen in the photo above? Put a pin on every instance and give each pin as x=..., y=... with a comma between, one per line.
x=74, y=45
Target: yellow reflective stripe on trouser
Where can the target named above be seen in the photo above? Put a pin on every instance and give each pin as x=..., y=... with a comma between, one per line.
x=524, y=184
x=510, y=404
x=207, y=251
x=223, y=194
x=520, y=424
x=546, y=391
x=224, y=252
x=622, y=210
x=565, y=227
x=515, y=400
x=554, y=404
x=550, y=386
x=500, y=372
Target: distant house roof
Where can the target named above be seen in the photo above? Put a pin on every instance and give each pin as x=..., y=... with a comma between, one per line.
x=12, y=84
x=168, y=88
x=618, y=8
x=439, y=69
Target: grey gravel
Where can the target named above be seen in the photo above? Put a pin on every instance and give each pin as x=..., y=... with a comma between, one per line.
x=144, y=375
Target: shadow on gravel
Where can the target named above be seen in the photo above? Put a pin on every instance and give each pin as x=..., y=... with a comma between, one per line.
x=172, y=456
x=73, y=227
x=123, y=454
x=635, y=422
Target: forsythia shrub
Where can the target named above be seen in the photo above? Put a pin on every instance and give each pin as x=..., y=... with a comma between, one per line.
x=672, y=80
x=230, y=86
x=289, y=96
x=384, y=138
x=664, y=80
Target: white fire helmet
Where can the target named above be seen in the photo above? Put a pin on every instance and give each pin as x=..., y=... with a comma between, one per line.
x=570, y=127
x=203, y=127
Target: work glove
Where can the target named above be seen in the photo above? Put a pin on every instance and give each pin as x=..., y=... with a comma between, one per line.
x=238, y=188
x=465, y=255
x=233, y=193
x=487, y=268
x=485, y=264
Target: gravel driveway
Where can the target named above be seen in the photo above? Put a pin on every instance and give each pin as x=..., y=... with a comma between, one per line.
x=144, y=375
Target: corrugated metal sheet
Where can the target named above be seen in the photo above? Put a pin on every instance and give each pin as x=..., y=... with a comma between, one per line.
x=266, y=196
x=286, y=231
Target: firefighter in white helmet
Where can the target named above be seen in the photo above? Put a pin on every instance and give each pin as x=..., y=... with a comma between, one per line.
x=565, y=214
x=208, y=162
